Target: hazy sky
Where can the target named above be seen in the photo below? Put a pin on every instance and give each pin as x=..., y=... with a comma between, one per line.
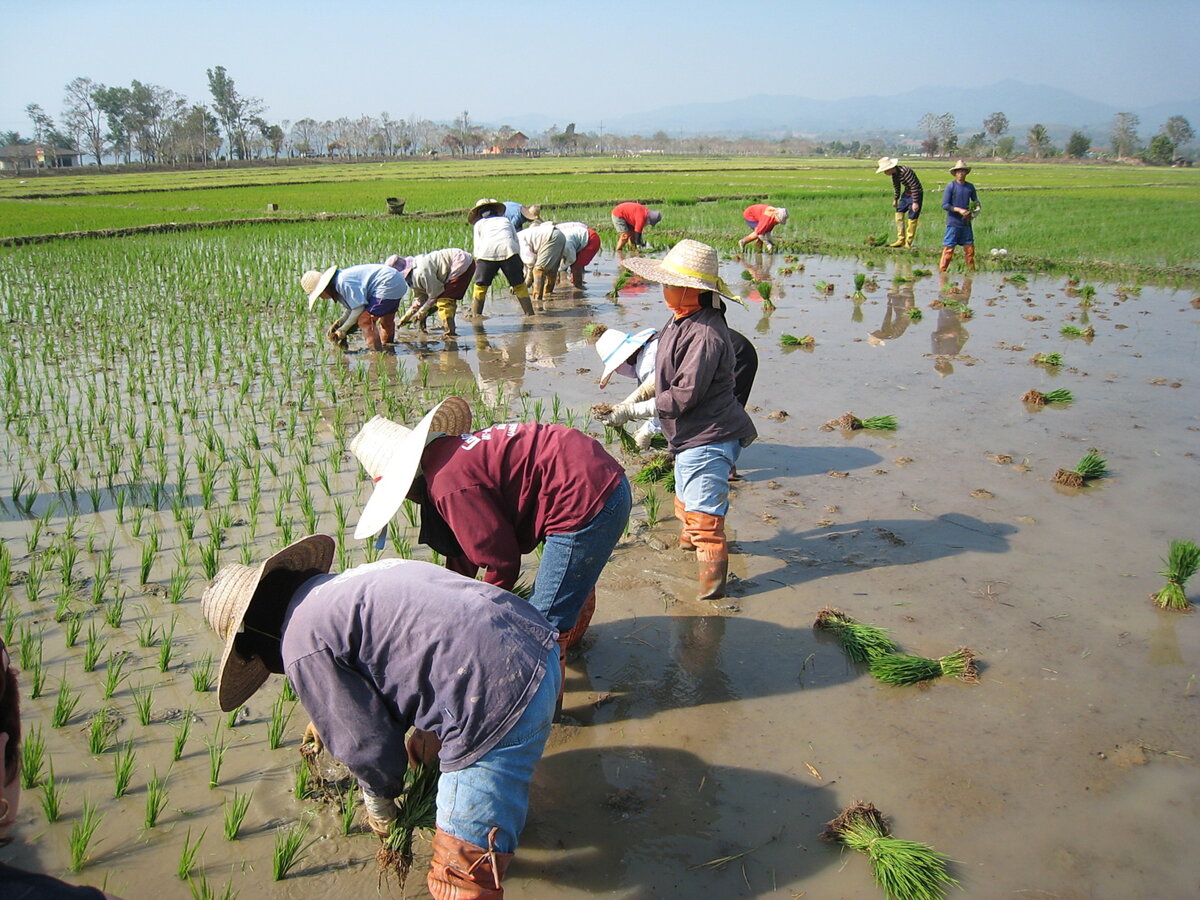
x=586, y=61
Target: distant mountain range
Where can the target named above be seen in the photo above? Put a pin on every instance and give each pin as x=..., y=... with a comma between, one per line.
x=777, y=115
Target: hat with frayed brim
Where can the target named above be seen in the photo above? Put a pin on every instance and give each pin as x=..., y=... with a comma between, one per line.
x=314, y=283
x=230, y=595
x=960, y=166
x=391, y=454
x=885, y=163
x=615, y=347
x=531, y=212
x=487, y=205
x=688, y=264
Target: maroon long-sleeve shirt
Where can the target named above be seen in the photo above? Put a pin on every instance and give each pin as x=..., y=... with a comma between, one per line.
x=503, y=489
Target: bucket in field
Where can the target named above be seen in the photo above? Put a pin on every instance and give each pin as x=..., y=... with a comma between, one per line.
x=395, y=206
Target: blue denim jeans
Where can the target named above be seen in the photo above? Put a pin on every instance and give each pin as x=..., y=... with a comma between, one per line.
x=572, y=562
x=958, y=235
x=702, y=476
x=494, y=791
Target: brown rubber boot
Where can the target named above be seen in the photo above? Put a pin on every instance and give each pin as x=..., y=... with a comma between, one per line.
x=712, y=554
x=944, y=262
x=522, y=292
x=576, y=632
x=551, y=282
x=459, y=870
x=685, y=537
x=577, y=278
x=537, y=285
x=969, y=250
x=478, y=295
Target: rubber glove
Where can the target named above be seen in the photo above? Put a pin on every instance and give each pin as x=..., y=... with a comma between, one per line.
x=381, y=813
x=623, y=412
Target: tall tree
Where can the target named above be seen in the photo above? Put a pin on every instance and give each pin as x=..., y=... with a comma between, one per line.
x=1161, y=149
x=43, y=125
x=233, y=110
x=114, y=103
x=994, y=126
x=1124, y=133
x=929, y=124
x=1078, y=144
x=1179, y=130
x=1039, y=140
x=83, y=117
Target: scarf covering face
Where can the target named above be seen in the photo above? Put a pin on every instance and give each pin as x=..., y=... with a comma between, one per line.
x=682, y=301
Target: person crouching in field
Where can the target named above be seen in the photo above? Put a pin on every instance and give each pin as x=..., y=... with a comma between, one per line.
x=370, y=295
x=961, y=203
x=496, y=250
x=438, y=278
x=583, y=243
x=762, y=219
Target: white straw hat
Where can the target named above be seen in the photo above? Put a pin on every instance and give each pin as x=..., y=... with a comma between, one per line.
x=960, y=166
x=885, y=163
x=688, y=264
x=488, y=204
x=616, y=346
x=229, y=596
x=314, y=283
x=780, y=214
x=391, y=454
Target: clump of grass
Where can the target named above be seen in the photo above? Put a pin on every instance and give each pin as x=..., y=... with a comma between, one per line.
x=182, y=730
x=279, y=720
x=142, y=698
x=123, y=764
x=216, y=756
x=658, y=470
x=861, y=642
x=790, y=340
x=1091, y=466
x=1047, y=359
x=33, y=758
x=418, y=810
x=860, y=278
x=64, y=704
x=1035, y=397
x=202, y=674
x=1087, y=294
x=1182, y=560
x=101, y=730
x=1076, y=331
x=235, y=813
x=82, y=833
x=290, y=848
x=1017, y=280
x=51, y=795
x=905, y=870
x=915, y=314
x=156, y=800
x=904, y=668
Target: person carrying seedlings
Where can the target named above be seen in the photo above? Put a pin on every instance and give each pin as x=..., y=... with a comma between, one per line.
x=907, y=195
x=438, y=278
x=631, y=219
x=762, y=219
x=396, y=645
x=521, y=215
x=961, y=203
x=496, y=250
x=541, y=247
x=17, y=884
x=705, y=426
x=370, y=295
x=488, y=497
x=583, y=243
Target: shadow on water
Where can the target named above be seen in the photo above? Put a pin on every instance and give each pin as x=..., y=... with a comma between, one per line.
x=646, y=820
x=762, y=461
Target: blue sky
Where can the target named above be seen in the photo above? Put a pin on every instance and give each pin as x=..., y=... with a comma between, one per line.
x=585, y=61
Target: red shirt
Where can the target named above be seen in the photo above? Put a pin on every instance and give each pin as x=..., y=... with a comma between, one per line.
x=503, y=489
x=633, y=213
x=758, y=215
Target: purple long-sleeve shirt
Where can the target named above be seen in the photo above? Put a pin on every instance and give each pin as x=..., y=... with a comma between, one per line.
x=395, y=644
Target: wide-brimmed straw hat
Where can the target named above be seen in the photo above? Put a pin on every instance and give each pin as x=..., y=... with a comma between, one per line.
x=314, y=283
x=885, y=163
x=486, y=205
x=531, y=212
x=688, y=264
x=230, y=595
x=391, y=454
x=615, y=347
x=960, y=166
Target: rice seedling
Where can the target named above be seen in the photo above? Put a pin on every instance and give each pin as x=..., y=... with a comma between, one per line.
x=1087, y=293
x=114, y=612
x=418, y=810
x=202, y=890
x=790, y=340
x=234, y=714
x=1017, y=280
x=82, y=833
x=850, y=422
x=202, y=674
x=51, y=794
x=64, y=704
x=1091, y=466
x=764, y=290
x=1035, y=397
x=216, y=756
x=279, y=721
x=289, y=692
x=235, y=808
x=300, y=781
x=1182, y=560
x=656, y=470
x=904, y=668
x=149, y=553
x=62, y=604
x=1076, y=331
x=124, y=760
x=31, y=647
x=860, y=279
x=622, y=279
x=92, y=648
x=182, y=730
x=1053, y=360
x=915, y=315
x=290, y=848
x=187, y=857
x=593, y=330
x=143, y=697
x=922, y=273
x=905, y=870
x=33, y=758
x=165, y=649
x=114, y=673
x=72, y=625
x=156, y=800
x=210, y=558
x=861, y=642
x=651, y=501
x=147, y=631
x=101, y=729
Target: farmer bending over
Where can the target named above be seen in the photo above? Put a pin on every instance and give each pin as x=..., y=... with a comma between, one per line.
x=438, y=278
x=762, y=219
x=631, y=219
x=906, y=199
x=370, y=294
x=496, y=250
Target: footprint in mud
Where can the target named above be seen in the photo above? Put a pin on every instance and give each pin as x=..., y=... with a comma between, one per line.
x=891, y=537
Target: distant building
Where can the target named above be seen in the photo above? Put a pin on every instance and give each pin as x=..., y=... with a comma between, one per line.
x=16, y=157
x=515, y=145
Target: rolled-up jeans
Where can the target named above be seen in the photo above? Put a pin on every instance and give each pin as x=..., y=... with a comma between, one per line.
x=493, y=792
x=572, y=562
x=702, y=476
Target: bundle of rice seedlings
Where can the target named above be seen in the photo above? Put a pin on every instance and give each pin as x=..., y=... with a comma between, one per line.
x=1091, y=466
x=418, y=809
x=746, y=276
x=1076, y=331
x=1047, y=359
x=860, y=278
x=659, y=470
x=1035, y=397
x=861, y=642
x=1086, y=294
x=915, y=314
x=622, y=279
x=905, y=870
x=904, y=668
x=1182, y=560
x=790, y=340
x=850, y=422
x=764, y=291
x=922, y=273
x=1019, y=280
x=593, y=330
x=877, y=240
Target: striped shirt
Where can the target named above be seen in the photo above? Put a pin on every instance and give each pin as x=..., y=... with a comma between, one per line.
x=906, y=178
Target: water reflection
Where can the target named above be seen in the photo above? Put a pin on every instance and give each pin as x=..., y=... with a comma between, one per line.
x=950, y=335
x=895, y=313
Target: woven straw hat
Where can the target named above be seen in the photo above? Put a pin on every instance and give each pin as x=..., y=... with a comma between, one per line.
x=391, y=454
x=688, y=264
x=531, y=212
x=885, y=163
x=228, y=597
x=314, y=282
x=615, y=347
x=779, y=213
x=960, y=166
x=488, y=205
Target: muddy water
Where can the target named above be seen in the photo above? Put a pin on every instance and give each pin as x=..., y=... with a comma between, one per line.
x=705, y=745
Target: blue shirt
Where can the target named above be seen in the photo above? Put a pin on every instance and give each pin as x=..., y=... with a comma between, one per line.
x=962, y=196
x=378, y=288
x=512, y=212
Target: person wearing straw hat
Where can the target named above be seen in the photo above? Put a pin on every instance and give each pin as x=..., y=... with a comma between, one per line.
x=496, y=250
x=762, y=219
x=693, y=396
x=488, y=497
x=961, y=203
x=521, y=215
x=18, y=884
x=393, y=645
x=583, y=243
x=542, y=247
x=631, y=219
x=439, y=278
x=907, y=195
x=370, y=295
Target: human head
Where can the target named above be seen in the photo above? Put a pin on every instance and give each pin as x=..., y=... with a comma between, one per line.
x=315, y=283
x=960, y=170
x=887, y=165
x=619, y=350
x=488, y=206
x=653, y=217
x=10, y=738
